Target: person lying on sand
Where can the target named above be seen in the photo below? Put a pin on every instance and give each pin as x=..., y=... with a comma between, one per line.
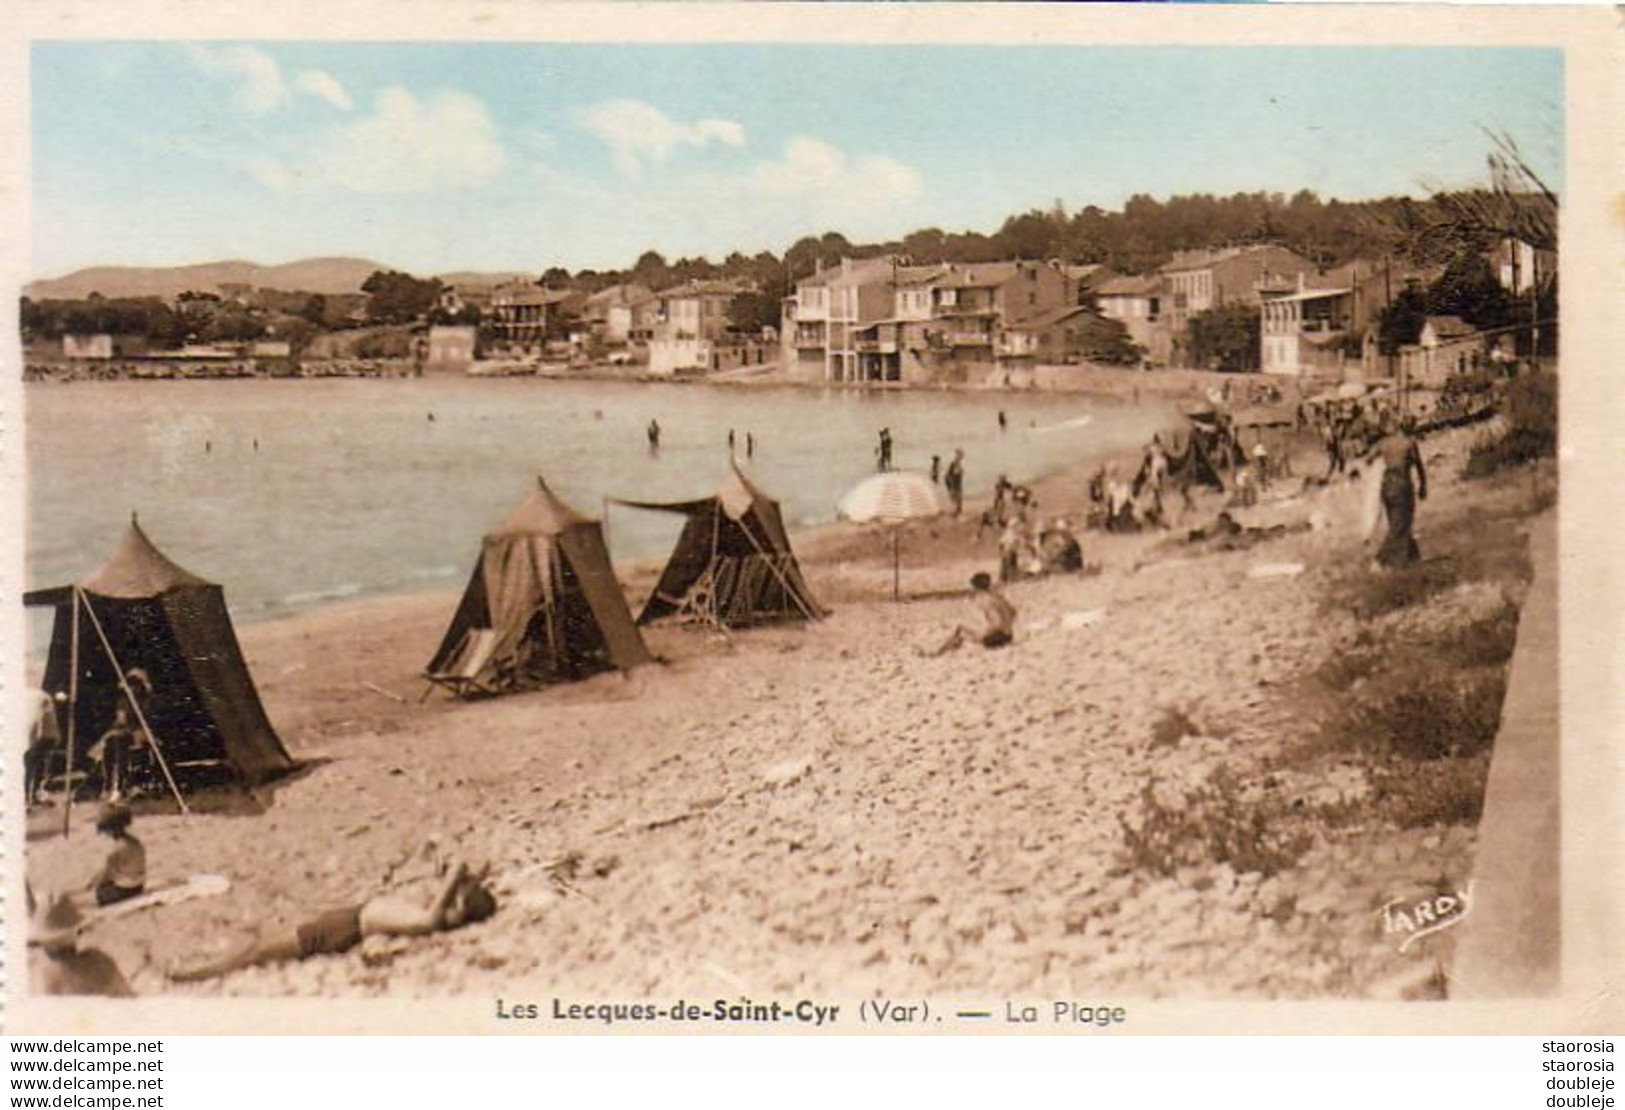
x=464, y=900
x=998, y=619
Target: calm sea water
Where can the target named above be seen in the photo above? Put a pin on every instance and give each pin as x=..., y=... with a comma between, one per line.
x=354, y=490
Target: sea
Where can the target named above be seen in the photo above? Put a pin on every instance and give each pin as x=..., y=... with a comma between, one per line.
x=297, y=493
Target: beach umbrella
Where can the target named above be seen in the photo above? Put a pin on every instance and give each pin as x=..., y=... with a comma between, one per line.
x=893, y=498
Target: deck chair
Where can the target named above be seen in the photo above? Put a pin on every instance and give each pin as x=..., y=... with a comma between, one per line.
x=471, y=660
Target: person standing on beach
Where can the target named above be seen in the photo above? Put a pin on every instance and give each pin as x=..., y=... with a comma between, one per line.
x=998, y=619
x=883, y=450
x=1002, y=421
x=954, y=480
x=44, y=741
x=750, y=445
x=1400, y=455
x=730, y=441
x=936, y=469
x=654, y=437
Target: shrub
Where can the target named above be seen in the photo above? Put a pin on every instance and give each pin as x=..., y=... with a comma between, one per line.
x=1171, y=726
x=1427, y=714
x=1439, y=792
x=1531, y=410
x=1211, y=824
x=1371, y=595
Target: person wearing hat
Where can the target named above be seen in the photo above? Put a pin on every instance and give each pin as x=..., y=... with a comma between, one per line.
x=124, y=873
x=68, y=969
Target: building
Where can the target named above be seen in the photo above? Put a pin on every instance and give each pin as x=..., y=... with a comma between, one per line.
x=450, y=347
x=1136, y=303
x=883, y=320
x=1070, y=333
x=696, y=310
x=1087, y=278
x=823, y=318
x=523, y=314
x=1447, y=346
x=608, y=313
x=98, y=346
x=1521, y=267
x=1305, y=331
x=1197, y=281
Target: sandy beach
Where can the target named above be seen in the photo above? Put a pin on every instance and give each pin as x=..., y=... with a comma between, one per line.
x=819, y=808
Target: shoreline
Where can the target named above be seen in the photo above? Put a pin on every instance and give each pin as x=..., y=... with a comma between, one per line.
x=1091, y=380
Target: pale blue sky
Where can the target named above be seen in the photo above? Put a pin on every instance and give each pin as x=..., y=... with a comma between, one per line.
x=470, y=156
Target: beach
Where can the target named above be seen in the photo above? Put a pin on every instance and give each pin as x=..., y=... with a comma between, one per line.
x=817, y=807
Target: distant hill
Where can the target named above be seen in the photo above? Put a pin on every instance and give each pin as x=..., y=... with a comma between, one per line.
x=465, y=279
x=311, y=275
x=308, y=275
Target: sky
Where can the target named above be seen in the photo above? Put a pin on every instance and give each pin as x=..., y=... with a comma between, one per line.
x=443, y=157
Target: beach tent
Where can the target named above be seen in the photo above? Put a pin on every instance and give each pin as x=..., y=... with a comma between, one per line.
x=542, y=605
x=732, y=564
x=142, y=611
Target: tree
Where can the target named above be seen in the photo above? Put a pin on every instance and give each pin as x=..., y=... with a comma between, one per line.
x=1226, y=337
x=394, y=297
x=753, y=310
x=651, y=269
x=555, y=277
x=233, y=326
x=1400, y=324
x=1468, y=288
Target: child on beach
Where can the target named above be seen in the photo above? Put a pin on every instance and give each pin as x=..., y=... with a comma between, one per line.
x=124, y=873
x=998, y=619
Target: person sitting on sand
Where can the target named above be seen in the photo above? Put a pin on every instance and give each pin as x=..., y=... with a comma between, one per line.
x=1060, y=549
x=464, y=900
x=124, y=873
x=998, y=619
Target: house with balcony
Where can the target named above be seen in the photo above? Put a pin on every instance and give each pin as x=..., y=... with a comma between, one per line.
x=829, y=309
x=523, y=315
x=1196, y=281
x=1304, y=332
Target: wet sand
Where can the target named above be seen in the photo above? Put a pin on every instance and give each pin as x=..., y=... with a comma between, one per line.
x=818, y=808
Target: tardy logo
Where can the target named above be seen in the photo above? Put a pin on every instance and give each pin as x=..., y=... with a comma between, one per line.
x=1429, y=915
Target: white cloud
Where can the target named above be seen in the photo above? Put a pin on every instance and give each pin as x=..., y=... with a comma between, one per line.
x=812, y=166
x=445, y=140
x=636, y=132
x=262, y=88
x=319, y=83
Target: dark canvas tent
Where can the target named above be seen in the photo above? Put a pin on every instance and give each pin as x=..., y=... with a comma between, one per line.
x=732, y=564
x=541, y=605
x=143, y=611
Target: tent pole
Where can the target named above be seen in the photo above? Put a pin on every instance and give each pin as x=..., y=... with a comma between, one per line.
x=772, y=564
x=73, y=706
x=141, y=717
x=895, y=558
